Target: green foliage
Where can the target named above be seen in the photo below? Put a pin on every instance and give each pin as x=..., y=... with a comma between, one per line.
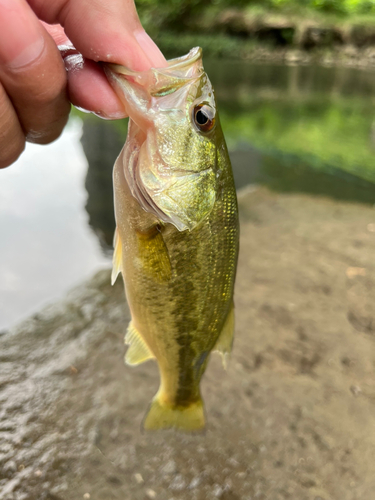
x=168, y=14
x=359, y=6
x=214, y=45
x=335, y=6
x=185, y=14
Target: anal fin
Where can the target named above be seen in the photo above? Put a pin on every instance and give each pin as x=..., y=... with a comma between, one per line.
x=117, y=257
x=225, y=341
x=137, y=352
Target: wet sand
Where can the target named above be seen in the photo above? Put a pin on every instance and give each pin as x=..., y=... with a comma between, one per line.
x=292, y=417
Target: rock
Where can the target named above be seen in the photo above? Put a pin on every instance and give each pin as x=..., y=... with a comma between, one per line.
x=195, y=482
x=169, y=467
x=178, y=483
x=356, y=390
x=10, y=466
x=217, y=491
x=138, y=477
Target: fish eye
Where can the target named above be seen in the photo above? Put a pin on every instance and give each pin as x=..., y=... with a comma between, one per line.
x=204, y=117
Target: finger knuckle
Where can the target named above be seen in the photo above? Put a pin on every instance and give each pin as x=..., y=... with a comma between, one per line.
x=12, y=140
x=51, y=91
x=10, y=151
x=50, y=133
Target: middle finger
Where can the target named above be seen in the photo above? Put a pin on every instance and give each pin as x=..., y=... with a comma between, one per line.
x=32, y=73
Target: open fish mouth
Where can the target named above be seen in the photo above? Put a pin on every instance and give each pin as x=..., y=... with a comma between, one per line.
x=178, y=63
x=141, y=86
x=161, y=81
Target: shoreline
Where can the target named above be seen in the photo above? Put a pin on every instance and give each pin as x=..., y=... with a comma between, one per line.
x=307, y=37
x=347, y=57
x=227, y=47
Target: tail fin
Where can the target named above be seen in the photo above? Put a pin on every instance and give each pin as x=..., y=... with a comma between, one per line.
x=184, y=418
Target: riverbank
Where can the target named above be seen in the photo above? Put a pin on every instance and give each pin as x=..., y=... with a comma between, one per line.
x=288, y=37
x=292, y=417
x=225, y=46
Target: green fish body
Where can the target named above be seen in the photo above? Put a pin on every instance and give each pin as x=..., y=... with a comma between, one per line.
x=176, y=241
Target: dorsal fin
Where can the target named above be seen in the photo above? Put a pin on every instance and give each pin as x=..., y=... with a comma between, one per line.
x=117, y=257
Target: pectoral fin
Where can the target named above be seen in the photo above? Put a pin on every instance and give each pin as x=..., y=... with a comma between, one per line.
x=225, y=341
x=153, y=253
x=138, y=352
x=117, y=257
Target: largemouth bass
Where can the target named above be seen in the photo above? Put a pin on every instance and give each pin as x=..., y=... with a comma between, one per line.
x=176, y=242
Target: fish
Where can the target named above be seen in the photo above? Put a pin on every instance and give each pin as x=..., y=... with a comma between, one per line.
x=177, y=232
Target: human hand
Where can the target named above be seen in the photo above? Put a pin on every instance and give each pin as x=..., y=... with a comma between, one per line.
x=35, y=87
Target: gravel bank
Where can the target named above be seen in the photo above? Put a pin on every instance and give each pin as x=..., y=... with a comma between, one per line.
x=293, y=416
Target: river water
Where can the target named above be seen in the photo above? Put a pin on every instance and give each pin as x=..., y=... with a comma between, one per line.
x=293, y=128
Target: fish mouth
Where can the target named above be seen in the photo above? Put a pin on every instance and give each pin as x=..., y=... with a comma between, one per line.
x=160, y=81
x=177, y=64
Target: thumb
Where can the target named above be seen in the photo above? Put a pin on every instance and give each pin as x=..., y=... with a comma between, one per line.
x=101, y=30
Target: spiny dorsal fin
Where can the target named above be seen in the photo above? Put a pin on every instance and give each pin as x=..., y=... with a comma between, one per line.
x=138, y=352
x=117, y=257
x=225, y=341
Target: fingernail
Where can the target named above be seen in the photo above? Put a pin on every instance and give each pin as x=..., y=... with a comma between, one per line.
x=74, y=62
x=151, y=50
x=116, y=115
x=21, y=39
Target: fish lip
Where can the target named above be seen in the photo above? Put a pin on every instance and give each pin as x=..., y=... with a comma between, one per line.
x=188, y=59
x=173, y=64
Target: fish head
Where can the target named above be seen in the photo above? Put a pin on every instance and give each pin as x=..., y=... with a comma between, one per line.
x=170, y=156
